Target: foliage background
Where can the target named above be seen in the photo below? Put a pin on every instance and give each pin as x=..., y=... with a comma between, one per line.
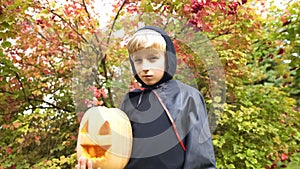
x=50, y=49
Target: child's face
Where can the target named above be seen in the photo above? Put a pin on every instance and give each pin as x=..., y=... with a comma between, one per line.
x=149, y=65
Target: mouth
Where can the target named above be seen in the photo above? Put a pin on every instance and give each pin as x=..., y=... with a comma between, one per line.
x=147, y=76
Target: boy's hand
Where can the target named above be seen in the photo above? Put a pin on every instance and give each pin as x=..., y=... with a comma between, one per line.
x=82, y=164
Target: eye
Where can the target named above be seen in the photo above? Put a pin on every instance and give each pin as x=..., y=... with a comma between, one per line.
x=153, y=58
x=138, y=60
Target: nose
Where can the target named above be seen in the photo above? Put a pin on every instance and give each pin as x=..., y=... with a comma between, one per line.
x=145, y=66
x=145, y=71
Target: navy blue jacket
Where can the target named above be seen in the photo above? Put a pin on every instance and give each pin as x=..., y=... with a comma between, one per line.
x=156, y=143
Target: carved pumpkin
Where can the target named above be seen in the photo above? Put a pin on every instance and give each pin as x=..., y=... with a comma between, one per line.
x=105, y=137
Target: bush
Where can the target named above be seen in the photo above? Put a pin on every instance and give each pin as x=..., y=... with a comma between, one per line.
x=256, y=128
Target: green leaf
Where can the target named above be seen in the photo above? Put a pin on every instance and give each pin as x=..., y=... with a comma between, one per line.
x=4, y=25
x=6, y=44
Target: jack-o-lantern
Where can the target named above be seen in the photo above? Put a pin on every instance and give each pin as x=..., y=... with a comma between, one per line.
x=105, y=138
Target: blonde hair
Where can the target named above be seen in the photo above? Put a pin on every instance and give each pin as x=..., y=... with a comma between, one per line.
x=146, y=39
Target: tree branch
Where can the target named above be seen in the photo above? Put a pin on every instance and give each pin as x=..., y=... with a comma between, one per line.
x=39, y=33
x=50, y=104
x=114, y=22
x=98, y=53
x=23, y=90
x=89, y=16
x=103, y=61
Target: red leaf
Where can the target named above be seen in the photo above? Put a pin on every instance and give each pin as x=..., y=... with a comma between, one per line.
x=73, y=138
x=8, y=150
x=244, y=1
x=97, y=93
x=186, y=9
x=7, y=117
x=283, y=19
x=284, y=156
x=37, y=138
x=281, y=51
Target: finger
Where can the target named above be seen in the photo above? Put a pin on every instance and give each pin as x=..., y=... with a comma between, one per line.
x=82, y=161
x=90, y=164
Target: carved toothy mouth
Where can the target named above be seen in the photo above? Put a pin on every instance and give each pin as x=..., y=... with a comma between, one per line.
x=95, y=151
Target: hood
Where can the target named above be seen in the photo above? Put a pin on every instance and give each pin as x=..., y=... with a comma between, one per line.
x=170, y=59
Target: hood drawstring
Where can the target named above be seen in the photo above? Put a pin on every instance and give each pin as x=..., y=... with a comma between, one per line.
x=171, y=119
x=140, y=99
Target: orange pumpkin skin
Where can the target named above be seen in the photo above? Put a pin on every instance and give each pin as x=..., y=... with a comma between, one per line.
x=105, y=137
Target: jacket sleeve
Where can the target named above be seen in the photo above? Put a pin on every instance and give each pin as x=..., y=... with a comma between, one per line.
x=199, y=148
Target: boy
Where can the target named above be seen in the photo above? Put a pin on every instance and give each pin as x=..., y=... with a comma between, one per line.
x=168, y=118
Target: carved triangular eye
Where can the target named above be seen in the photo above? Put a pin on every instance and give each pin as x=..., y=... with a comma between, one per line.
x=85, y=128
x=105, y=129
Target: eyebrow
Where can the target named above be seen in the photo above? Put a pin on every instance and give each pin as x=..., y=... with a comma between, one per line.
x=148, y=54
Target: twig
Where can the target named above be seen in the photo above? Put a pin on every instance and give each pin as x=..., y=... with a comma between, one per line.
x=114, y=22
